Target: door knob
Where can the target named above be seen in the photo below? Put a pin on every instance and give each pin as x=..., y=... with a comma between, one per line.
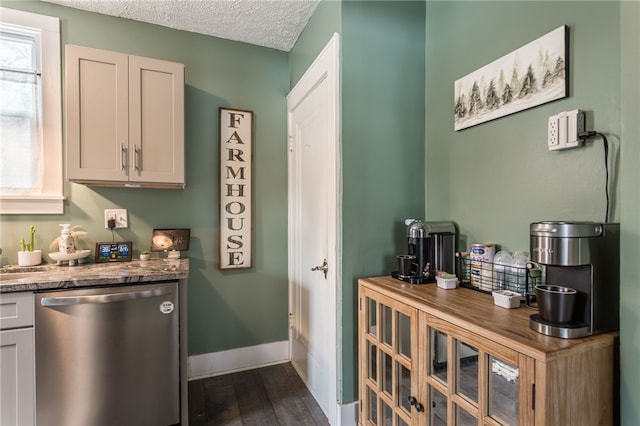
x=324, y=268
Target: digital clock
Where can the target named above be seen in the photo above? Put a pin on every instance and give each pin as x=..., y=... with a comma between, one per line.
x=113, y=252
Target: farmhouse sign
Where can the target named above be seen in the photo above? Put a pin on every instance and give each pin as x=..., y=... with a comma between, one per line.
x=236, y=188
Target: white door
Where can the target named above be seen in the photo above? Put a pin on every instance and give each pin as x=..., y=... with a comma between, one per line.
x=314, y=193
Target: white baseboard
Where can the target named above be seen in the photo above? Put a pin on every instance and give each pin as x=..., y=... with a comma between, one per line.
x=224, y=362
x=349, y=414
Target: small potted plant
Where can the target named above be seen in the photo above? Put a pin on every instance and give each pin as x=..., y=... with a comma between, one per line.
x=145, y=255
x=28, y=256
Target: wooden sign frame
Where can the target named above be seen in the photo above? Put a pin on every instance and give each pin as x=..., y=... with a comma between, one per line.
x=236, y=189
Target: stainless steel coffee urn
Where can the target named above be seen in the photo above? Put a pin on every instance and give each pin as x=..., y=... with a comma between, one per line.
x=434, y=245
x=584, y=256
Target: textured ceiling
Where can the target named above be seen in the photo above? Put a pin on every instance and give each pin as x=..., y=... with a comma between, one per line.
x=269, y=23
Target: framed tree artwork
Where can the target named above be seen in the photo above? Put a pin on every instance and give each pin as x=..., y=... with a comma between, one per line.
x=527, y=77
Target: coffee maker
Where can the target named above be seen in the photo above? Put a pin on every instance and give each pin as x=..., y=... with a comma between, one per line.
x=584, y=256
x=434, y=245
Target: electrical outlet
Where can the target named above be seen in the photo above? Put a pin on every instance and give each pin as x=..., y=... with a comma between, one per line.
x=119, y=215
x=554, y=140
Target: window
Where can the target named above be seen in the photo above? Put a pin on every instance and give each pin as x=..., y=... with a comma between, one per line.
x=30, y=114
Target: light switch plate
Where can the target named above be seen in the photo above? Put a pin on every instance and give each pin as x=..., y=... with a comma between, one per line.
x=575, y=125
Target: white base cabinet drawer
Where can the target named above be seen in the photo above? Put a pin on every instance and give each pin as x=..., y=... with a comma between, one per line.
x=16, y=310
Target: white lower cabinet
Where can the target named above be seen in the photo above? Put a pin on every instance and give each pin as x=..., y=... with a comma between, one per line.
x=17, y=366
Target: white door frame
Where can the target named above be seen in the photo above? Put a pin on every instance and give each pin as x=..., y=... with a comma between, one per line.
x=324, y=68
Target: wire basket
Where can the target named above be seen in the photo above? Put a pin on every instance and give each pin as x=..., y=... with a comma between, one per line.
x=489, y=276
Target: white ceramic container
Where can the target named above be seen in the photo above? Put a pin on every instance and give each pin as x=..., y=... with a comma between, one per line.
x=29, y=258
x=507, y=299
x=447, y=283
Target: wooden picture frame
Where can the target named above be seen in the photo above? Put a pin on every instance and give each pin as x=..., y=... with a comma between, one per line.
x=236, y=189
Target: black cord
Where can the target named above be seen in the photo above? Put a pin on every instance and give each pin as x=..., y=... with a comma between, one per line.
x=111, y=223
x=606, y=169
x=586, y=135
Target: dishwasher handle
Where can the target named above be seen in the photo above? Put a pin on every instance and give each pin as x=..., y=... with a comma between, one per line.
x=104, y=298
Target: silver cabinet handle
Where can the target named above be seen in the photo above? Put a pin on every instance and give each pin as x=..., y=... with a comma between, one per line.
x=124, y=157
x=138, y=160
x=104, y=298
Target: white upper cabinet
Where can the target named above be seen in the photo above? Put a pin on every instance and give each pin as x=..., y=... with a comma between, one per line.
x=125, y=119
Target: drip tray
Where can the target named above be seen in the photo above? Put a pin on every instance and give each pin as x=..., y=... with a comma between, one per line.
x=564, y=331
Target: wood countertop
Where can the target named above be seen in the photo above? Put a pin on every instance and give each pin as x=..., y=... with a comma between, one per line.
x=475, y=311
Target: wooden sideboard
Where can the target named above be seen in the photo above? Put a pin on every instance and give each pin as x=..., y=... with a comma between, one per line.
x=429, y=356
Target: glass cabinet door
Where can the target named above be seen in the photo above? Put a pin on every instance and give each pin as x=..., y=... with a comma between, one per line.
x=388, y=343
x=468, y=380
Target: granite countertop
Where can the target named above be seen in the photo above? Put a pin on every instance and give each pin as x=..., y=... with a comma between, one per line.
x=46, y=277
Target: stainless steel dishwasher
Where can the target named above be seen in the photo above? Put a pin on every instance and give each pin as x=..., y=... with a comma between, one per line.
x=108, y=356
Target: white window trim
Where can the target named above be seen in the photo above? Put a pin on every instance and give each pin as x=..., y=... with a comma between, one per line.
x=51, y=201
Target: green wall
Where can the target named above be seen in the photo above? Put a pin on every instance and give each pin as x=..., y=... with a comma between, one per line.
x=497, y=177
x=382, y=119
x=630, y=213
x=325, y=21
x=382, y=148
x=225, y=309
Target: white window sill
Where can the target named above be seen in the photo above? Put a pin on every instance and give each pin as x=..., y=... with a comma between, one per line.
x=38, y=204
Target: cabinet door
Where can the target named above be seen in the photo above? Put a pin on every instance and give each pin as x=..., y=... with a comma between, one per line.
x=17, y=377
x=388, y=358
x=470, y=380
x=156, y=121
x=97, y=114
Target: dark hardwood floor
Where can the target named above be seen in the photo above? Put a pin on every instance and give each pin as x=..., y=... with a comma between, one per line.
x=267, y=396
